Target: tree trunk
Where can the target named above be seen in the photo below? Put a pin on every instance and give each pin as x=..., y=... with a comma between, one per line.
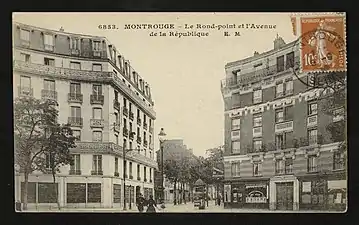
x=207, y=195
x=57, y=189
x=26, y=185
x=174, y=193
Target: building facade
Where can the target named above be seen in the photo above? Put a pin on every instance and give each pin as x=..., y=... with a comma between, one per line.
x=278, y=152
x=108, y=106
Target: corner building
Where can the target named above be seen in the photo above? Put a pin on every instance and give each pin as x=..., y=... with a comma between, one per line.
x=109, y=107
x=278, y=152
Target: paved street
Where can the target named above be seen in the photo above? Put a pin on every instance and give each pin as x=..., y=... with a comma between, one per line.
x=181, y=208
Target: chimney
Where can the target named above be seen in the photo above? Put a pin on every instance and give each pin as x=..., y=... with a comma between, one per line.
x=62, y=29
x=255, y=53
x=278, y=42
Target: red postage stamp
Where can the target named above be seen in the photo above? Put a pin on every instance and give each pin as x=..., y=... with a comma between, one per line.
x=323, y=45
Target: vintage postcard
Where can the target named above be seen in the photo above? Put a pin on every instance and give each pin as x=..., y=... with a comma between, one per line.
x=180, y=112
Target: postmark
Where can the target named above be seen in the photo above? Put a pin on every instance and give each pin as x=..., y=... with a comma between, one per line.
x=322, y=43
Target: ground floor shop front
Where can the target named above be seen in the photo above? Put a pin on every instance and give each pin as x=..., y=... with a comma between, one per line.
x=80, y=191
x=288, y=192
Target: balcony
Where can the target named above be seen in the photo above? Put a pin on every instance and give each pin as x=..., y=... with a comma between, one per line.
x=279, y=171
x=116, y=174
x=236, y=134
x=312, y=120
x=145, y=125
x=116, y=104
x=125, y=111
x=139, y=121
x=131, y=116
x=145, y=143
x=288, y=170
x=49, y=94
x=75, y=51
x=284, y=126
x=150, y=180
x=132, y=135
x=138, y=178
x=25, y=91
x=49, y=47
x=98, y=172
x=97, y=123
x=75, y=172
x=131, y=177
x=312, y=169
x=116, y=127
x=257, y=131
x=125, y=132
x=97, y=99
x=289, y=92
x=75, y=121
x=145, y=180
x=75, y=98
x=257, y=100
x=96, y=53
x=139, y=140
x=151, y=130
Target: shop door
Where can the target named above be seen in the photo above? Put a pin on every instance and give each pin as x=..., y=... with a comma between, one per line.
x=284, y=196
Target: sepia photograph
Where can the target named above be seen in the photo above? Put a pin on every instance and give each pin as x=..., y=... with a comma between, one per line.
x=180, y=112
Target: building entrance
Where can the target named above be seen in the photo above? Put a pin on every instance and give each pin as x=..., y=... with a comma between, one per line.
x=284, y=196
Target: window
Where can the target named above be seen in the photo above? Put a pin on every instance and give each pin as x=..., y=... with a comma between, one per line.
x=31, y=192
x=257, y=120
x=47, y=192
x=257, y=96
x=145, y=173
x=77, y=134
x=116, y=96
x=75, y=43
x=289, y=87
x=75, y=111
x=144, y=118
x=94, y=192
x=312, y=108
x=49, y=85
x=138, y=113
x=76, y=193
x=124, y=102
x=49, y=41
x=280, y=141
x=97, y=163
x=25, y=84
x=288, y=113
x=25, y=57
x=257, y=145
x=116, y=193
x=289, y=166
x=75, y=88
x=312, y=164
x=116, y=139
x=257, y=169
x=339, y=161
x=125, y=166
x=289, y=60
x=96, y=67
x=144, y=135
x=97, y=136
x=130, y=126
x=116, y=165
x=236, y=124
x=97, y=113
x=75, y=65
x=312, y=136
x=279, y=115
x=124, y=123
x=130, y=145
x=279, y=166
x=235, y=169
x=138, y=171
x=97, y=89
x=130, y=172
x=97, y=46
x=138, y=132
x=49, y=62
x=279, y=90
x=130, y=107
x=76, y=162
x=280, y=63
x=25, y=35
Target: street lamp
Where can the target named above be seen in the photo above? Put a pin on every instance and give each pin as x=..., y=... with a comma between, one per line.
x=161, y=137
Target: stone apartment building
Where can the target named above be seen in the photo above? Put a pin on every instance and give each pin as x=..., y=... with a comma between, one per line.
x=109, y=107
x=278, y=152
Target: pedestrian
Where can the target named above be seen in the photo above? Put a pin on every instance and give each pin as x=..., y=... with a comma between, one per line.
x=151, y=204
x=140, y=201
x=219, y=200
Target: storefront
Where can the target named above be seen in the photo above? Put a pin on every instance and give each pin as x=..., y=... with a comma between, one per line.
x=247, y=194
x=325, y=192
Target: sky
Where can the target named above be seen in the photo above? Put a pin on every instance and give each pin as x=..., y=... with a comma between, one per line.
x=184, y=73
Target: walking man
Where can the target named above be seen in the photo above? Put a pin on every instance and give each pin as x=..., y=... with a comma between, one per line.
x=140, y=201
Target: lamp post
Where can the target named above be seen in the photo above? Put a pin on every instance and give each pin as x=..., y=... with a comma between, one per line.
x=161, y=137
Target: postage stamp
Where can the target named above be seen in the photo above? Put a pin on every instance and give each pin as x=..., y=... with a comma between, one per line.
x=323, y=45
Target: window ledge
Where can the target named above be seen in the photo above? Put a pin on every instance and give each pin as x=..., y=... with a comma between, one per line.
x=335, y=170
x=312, y=172
x=259, y=175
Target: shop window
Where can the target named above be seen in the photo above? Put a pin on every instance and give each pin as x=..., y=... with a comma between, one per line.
x=116, y=193
x=236, y=195
x=76, y=193
x=236, y=146
x=31, y=192
x=93, y=192
x=47, y=192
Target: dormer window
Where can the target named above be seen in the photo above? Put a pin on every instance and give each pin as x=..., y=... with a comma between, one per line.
x=49, y=42
x=25, y=37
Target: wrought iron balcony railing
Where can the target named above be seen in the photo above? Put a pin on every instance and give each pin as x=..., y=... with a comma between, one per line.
x=49, y=94
x=97, y=99
x=98, y=123
x=145, y=125
x=25, y=91
x=151, y=130
x=75, y=172
x=116, y=104
x=131, y=116
x=125, y=111
x=116, y=127
x=139, y=140
x=125, y=132
x=75, y=97
x=139, y=121
x=98, y=172
x=132, y=135
x=116, y=174
x=75, y=121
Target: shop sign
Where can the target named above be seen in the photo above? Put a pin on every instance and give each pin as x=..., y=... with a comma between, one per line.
x=337, y=184
x=256, y=186
x=256, y=197
x=307, y=186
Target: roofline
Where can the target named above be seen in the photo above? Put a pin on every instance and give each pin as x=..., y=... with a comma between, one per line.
x=261, y=55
